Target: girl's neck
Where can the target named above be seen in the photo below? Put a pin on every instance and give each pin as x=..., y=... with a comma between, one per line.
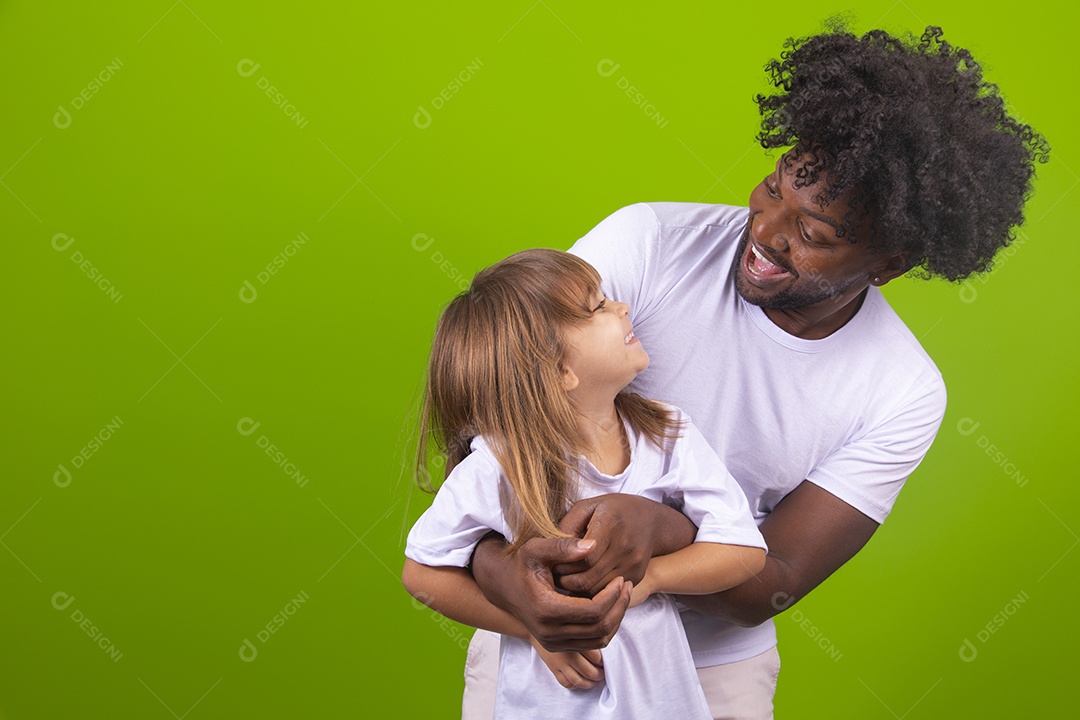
x=604, y=437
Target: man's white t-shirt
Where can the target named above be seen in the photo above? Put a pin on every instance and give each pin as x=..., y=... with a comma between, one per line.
x=853, y=413
x=648, y=668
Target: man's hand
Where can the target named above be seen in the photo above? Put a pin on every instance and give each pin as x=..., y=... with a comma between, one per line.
x=628, y=530
x=522, y=583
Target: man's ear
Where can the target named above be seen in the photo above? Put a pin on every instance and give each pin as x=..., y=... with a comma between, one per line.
x=889, y=268
x=569, y=379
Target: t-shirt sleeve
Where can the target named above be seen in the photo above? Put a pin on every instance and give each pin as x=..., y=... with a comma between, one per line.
x=868, y=472
x=466, y=508
x=700, y=486
x=621, y=248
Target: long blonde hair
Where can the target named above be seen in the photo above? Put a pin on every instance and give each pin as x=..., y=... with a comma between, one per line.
x=496, y=371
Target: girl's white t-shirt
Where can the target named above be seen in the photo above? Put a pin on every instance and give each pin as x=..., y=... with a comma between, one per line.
x=649, y=671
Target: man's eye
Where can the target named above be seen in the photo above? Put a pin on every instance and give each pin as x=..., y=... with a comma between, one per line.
x=806, y=236
x=769, y=189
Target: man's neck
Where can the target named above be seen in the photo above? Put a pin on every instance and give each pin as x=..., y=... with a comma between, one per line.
x=819, y=320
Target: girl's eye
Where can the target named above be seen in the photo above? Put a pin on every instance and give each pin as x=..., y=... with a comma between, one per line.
x=600, y=306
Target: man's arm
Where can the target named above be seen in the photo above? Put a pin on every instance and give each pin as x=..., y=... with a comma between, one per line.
x=810, y=534
x=813, y=531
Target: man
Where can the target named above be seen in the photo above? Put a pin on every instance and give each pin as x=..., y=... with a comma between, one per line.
x=767, y=326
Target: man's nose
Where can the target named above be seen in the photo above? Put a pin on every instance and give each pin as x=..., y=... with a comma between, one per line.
x=767, y=232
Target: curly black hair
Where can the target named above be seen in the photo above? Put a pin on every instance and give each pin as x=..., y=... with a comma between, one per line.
x=910, y=132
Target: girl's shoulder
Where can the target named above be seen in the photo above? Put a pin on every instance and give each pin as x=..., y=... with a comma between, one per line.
x=680, y=420
x=481, y=460
x=679, y=423
x=478, y=475
x=677, y=412
x=480, y=451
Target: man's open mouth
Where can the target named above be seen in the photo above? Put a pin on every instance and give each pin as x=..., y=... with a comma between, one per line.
x=759, y=267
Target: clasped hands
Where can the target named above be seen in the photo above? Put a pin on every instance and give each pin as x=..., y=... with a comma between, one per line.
x=572, y=593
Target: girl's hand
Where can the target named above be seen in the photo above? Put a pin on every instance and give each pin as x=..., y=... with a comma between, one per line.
x=641, y=591
x=573, y=669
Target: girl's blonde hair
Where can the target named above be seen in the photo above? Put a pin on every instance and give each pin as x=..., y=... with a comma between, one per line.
x=496, y=371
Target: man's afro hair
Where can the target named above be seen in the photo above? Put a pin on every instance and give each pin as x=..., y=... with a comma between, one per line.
x=912, y=134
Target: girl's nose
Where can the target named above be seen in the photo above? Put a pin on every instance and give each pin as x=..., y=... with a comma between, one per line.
x=623, y=308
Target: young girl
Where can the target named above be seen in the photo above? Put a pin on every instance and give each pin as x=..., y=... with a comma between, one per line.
x=525, y=395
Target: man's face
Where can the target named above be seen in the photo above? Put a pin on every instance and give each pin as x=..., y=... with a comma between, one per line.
x=789, y=257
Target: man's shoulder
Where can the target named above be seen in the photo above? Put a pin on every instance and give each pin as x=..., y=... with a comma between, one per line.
x=889, y=325
x=682, y=214
x=665, y=236
x=896, y=346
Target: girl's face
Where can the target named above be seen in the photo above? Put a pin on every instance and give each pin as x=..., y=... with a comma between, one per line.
x=603, y=356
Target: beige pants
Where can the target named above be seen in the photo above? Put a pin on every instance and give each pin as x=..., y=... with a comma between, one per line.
x=741, y=690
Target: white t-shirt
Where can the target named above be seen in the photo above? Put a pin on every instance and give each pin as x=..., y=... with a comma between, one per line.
x=853, y=413
x=648, y=669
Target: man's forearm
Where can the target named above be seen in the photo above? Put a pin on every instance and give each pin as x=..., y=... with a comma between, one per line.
x=674, y=531
x=489, y=563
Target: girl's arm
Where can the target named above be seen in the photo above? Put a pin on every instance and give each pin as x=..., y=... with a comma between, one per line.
x=702, y=568
x=452, y=592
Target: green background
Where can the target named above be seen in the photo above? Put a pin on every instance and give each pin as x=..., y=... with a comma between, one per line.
x=179, y=180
